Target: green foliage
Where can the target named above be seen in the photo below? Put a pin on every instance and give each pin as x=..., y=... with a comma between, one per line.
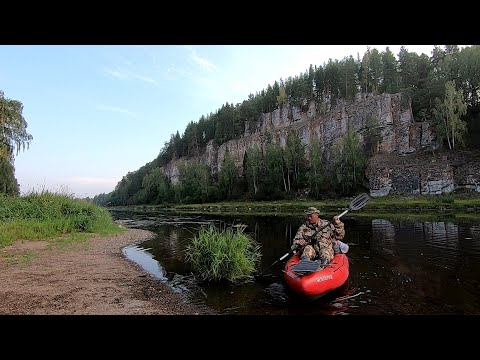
x=253, y=166
x=348, y=78
x=282, y=96
x=333, y=87
x=372, y=135
x=228, y=254
x=316, y=175
x=13, y=138
x=294, y=158
x=350, y=163
x=274, y=169
x=195, y=182
x=47, y=215
x=469, y=74
x=447, y=115
x=389, y=72
x=228, y=177
x=157, y=187
x=13, y=128
x=407, y=66
x=8, y=182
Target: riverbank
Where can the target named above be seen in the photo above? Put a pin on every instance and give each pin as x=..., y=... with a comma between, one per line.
x=407, y=204
x=92, y=277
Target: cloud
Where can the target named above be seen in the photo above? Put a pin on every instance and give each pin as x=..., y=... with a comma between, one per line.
x=144, y=78
x=125, y=74
x=116, y=110
x=175, y=70
x=117, y=73
x=203, y=62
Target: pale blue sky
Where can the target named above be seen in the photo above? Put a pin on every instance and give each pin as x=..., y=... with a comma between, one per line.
x=98, y=112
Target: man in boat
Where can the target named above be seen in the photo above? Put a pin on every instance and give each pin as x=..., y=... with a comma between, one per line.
x=319, y=239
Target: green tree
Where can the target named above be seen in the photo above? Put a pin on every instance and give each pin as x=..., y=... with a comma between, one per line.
x=13, y=138
x=350, y=163
x=469, y=74
x=349, y=78
x=407, y=64
x=13, y=128
x=319, y=81
x=274, y=168
x=157, y=187
x=375, y=70
x=195, y=180
x=282, y=96
x=389, y=72
x=448, y=113
x=333, y=87
x=295, y=161
x=228, y=176
x=365, y=81
x=8, y=182
x=253, y=167
x=316, y=174
x=372, y=135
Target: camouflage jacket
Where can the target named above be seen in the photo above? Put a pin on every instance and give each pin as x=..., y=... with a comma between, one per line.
x=323, y=244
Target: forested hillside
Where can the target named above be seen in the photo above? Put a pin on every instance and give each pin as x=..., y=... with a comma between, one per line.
x=442, y=90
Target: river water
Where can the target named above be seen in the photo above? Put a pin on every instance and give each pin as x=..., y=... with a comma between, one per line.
x=397, y=267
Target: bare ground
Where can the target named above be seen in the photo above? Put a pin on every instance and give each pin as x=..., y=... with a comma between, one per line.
x=90, y=278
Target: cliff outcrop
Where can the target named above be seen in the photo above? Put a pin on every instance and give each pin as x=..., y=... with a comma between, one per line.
x=424, y=173
x=396, y=168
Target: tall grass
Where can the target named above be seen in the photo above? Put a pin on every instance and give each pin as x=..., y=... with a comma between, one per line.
x=48, y=215
x=229, y=254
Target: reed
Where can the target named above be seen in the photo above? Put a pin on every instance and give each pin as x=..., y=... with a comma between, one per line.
x=223, y=254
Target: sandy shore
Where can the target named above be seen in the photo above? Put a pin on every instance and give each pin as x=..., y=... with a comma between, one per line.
x=91, y=278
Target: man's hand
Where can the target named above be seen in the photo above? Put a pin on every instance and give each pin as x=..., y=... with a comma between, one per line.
x=336, y=220
x=302, y=242
x=298, y=245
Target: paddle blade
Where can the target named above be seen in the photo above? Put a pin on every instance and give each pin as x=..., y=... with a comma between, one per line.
x=359, y=202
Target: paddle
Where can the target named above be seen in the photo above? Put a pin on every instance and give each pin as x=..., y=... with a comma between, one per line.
x=359, y=202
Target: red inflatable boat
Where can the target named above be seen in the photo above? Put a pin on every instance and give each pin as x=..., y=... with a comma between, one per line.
x=318, y=282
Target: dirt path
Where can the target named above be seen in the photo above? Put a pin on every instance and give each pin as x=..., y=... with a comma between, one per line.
x=90, y=278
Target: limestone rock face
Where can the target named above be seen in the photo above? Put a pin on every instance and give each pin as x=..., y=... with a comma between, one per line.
x=424, y=173
x=400, y=137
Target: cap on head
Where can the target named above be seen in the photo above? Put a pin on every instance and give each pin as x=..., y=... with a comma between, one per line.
x=312, y=210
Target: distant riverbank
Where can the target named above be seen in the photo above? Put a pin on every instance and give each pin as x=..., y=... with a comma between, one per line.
x=457, y=203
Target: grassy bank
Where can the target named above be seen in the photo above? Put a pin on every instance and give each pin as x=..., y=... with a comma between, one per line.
x=391, y=204
x=53, y=217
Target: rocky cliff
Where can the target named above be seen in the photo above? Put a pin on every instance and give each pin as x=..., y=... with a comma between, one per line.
x=388, y=172
x=424, y=172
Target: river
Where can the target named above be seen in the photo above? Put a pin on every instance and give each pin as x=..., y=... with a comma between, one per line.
x=397, y=267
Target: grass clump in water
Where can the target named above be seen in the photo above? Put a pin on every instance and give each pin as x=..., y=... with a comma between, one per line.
x=217, y=255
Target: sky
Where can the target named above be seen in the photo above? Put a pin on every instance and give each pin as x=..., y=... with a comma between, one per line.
x=97, y=112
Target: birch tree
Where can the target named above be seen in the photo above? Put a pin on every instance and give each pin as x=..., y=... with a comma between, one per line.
x=447, y=115
x=13, y=128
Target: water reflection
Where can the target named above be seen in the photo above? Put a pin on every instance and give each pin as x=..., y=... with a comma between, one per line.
x=396, y=267
x=145, y=259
